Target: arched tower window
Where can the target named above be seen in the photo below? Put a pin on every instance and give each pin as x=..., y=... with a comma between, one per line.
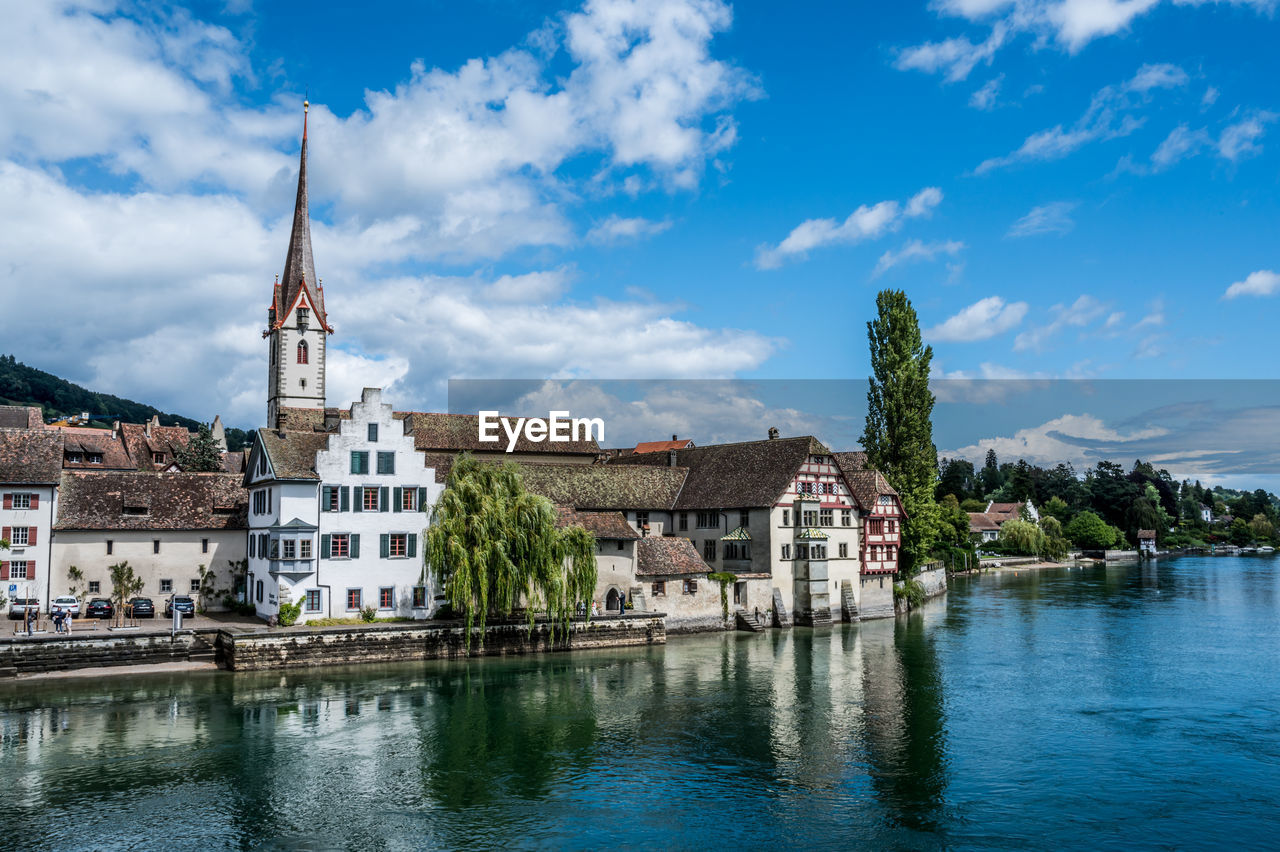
x=302, y=352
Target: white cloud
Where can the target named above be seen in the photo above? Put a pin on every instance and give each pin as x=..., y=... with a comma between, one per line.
x=1209, y=99
x=1264, y=282
x=1070, y=24
x=163, y=282
x=1178, y=145
x=1108, y=117
x=617, y=229
x=954, y=57
x=1073, y=438
x=1240, y=140
x=982, y=320
x=985, y=97
x=862, y=224
x=916, y=250
x=1082, y=312
x=1052, y=218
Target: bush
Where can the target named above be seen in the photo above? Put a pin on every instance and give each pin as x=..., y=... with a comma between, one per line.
x=912, y=591
x=289, y=613
x=1090, y=532
x=368, y=613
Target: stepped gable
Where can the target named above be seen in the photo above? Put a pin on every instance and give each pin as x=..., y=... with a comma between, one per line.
x=293, y=454
x=867, y=485
x=610, y=525
x=605, y=486
x=461, y=432
x=751, y=474
x=663, y=556
x=21, y=417
x=151, y=501
x=30, y=456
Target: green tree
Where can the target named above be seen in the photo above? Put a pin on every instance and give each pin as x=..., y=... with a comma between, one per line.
x=201, y=454
x=124, y=585
x=1021, y=537
x=898, y=437
x=1263, y=529
x=990, y=475
x=494, y=546
x=1055, y=540
x=956, y=476
x=1057, y=508
x=1089, y=531
x=1241, y=532
x=75, y=577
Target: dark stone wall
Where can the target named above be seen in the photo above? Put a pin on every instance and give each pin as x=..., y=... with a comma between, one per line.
x=62, y=653
x=300, y=646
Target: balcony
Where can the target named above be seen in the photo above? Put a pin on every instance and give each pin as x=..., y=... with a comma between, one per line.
x=291, y=566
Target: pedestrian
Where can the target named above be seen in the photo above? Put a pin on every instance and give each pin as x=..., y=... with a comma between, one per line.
x=56, y=617
x=31, y=617
x=66, y=625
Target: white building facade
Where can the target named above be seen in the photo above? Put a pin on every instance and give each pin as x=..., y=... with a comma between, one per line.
x=344, y=529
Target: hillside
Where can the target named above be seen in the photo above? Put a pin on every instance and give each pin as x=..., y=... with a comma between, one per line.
x=23, y=385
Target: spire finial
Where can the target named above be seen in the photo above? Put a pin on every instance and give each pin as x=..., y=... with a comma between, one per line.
x=306, y=107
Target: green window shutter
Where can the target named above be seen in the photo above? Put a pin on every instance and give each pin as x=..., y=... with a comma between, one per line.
x=324, y=546
x=344, y=497
x=384, y=545
x=422, y=500
x=355, y=545
x=324, y=498
x=413, y=545
x=358, y=494
x=384, y=498
x=397, y=497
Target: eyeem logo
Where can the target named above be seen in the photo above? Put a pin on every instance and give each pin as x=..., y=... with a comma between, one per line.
x=558, y=428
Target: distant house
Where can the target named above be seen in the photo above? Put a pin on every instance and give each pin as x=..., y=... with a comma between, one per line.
x=676, y=443
x=983, y=527
x=1206, y=513
x=1147, y=542
x=1001, y=512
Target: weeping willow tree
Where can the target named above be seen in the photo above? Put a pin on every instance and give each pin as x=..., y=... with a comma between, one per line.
x=492, y=546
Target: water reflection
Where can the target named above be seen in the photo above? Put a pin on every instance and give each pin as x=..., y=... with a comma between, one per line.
x=988, y=716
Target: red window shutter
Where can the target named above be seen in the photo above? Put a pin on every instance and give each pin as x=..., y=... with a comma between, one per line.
x=7, y=534
x=8, y=501
x=4, y=570
x=31, y=569
x=35, y=501
x=31, y=536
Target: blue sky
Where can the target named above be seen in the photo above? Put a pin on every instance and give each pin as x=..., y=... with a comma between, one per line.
x=683, y=189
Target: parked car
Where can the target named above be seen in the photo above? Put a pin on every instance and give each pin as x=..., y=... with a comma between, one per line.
x=66, y=603
x=182, y=603
x=18, y=607
x=140, y=608
x=99, y=608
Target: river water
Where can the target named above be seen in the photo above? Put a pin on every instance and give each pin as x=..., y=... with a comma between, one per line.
x=1113, y=708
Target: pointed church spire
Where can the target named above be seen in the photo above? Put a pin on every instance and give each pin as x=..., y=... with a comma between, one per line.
x=299, y=266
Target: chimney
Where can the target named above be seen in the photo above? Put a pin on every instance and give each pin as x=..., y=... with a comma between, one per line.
x=674, y=438
x=773, y=433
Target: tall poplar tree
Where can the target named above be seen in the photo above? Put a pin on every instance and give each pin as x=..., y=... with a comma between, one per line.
x=899, y=433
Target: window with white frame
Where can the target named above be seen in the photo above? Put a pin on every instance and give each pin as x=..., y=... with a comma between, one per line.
x=786, y=551
x=19, y=536
x=827, y=518
x=166, y=586
x=846, y=517
x=22, y=501
x=18, y=569
x=844, y=550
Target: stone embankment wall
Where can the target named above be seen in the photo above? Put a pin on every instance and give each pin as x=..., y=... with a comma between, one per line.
x=875, y=598
x=57, y=652
x=302, y=647
x=934, y=582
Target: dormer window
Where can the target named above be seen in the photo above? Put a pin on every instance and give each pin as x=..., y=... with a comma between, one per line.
x=302, y=349
x=304, y=319
x=158, y=458
x=271, y=317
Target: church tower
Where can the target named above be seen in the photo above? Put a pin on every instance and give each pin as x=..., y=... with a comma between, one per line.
x=296, y=322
